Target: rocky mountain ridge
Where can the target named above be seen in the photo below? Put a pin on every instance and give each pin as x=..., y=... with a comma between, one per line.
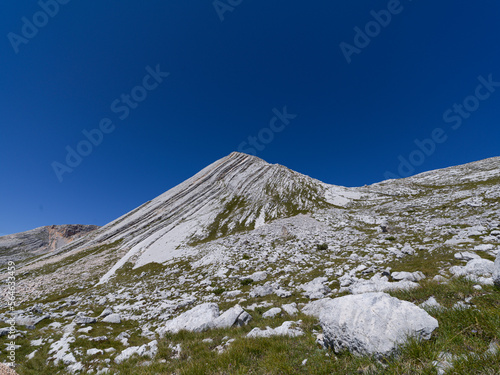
x=20, y=246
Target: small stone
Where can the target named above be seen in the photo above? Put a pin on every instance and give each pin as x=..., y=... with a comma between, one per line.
x=271, y=313
x=113, y=318
x=94, y=351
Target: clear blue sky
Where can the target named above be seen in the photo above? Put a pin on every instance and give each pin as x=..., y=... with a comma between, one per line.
x=354, y=120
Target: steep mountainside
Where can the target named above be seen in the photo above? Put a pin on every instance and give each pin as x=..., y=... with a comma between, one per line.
x=235, y=194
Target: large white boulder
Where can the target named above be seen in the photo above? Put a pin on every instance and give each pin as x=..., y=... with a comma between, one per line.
x=234, y=316
x=199, y=318
x=373, y=323
x=206, y=316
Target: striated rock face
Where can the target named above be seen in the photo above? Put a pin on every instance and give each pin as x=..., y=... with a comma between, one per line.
x=236, y=193
x=39, y=241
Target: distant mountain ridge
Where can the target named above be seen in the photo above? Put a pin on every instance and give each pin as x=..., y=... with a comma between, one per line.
x=20, y=246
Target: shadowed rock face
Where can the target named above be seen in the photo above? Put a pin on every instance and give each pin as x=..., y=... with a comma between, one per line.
x=19, y=246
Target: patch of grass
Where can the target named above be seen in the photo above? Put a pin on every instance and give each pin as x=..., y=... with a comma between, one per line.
x=218, y=291
x=323, y=246
x=246, y=281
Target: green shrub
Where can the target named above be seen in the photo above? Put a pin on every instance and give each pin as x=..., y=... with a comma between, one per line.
x=246, y=281
x=219, y=291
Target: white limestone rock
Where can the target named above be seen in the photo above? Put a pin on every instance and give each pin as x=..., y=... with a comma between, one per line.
x=407, y=249
x=378, y=283
x=408, y=276
x=113, y=318
x=431, y=303
x=258, y=276
x=198, y=319
x=94, y=351
x=236, y=315
x=316, y=289
x=373, y=323
x=466, y=255
x=206, y=316
x=271, y=313
x=82, y=319
x=475, y=267
x=290, y=308
x=149, y=350
x=107, y=311
x=261, y=291
x=286, y=329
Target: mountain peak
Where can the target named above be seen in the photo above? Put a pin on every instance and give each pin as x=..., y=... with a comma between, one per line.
x=237, y=193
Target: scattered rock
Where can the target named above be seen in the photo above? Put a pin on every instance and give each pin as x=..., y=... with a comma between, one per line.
x=431, y=303
x=94, y=351
x=235, y=316
x=82, y=319
x=261, y=291
x=107, y=311
x=286, y=329
x=113, y=318
x=316, y=289
x=290, y=309
x=407, y=249
x=408, y=276
x=378, y=283
x=271, y=313
x=258, y=276
x=149, y=350
x=466, y=255
x=206, y=316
